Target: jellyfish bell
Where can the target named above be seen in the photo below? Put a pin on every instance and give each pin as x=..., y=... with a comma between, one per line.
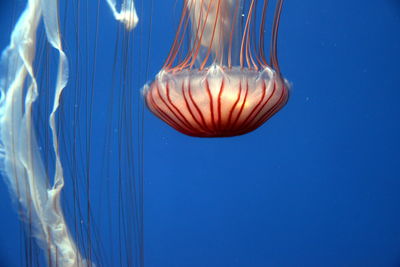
x=217, y=102
x=223, y=86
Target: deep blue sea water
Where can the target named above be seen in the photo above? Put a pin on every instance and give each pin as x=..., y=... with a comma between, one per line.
x=317, y=185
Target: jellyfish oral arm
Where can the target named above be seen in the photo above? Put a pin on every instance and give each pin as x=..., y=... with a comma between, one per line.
x=21, y=161
x=127, y=15
x=213, y=23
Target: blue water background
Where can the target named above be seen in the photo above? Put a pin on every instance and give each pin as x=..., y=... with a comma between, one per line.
x=317, y=185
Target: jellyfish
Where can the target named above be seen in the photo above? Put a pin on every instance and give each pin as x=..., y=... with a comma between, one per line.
x=23, y=167
x=221, y=84
x=222, y=60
